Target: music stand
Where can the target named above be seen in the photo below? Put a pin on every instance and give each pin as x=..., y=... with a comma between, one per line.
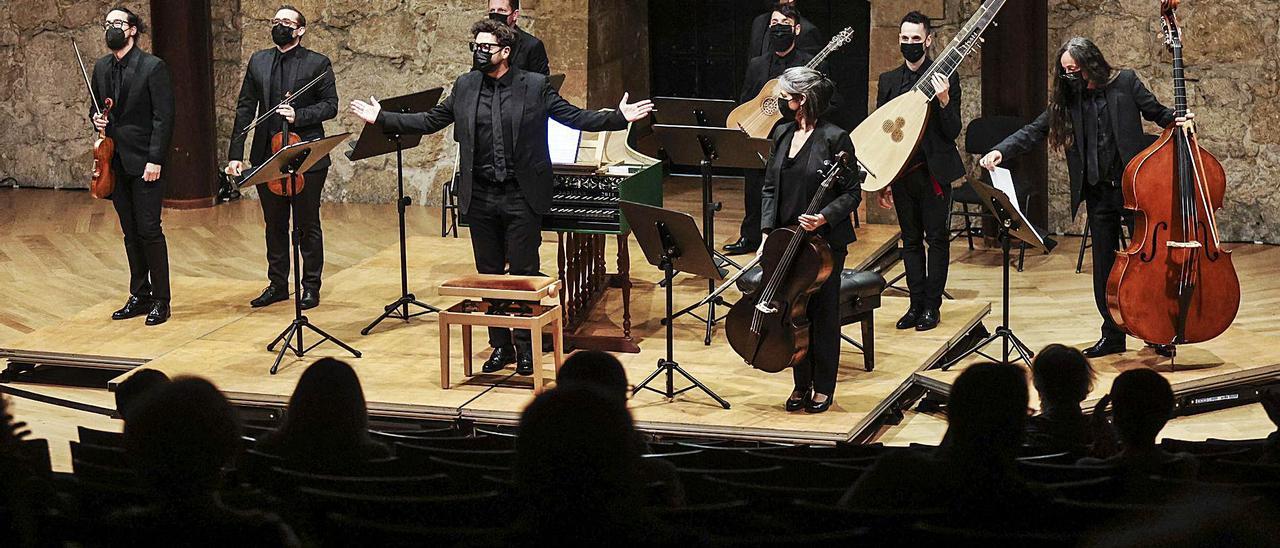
x=708, y=148
x=292, y=160
x=671, y=241
x=681, y=111
x=373, y=142
x=1012, y=225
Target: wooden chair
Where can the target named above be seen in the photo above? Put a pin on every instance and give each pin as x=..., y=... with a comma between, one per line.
x=97, y=454
x=101, y=438
x=512, y=302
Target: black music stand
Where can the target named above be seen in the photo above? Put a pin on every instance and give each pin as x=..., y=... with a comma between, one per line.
x=1012, y=225
x=708, y=148
x=294, y=160
x=671, y=241
x=376, y=142
x=681, y=111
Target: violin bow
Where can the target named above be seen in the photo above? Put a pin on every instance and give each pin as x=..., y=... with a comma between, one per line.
x=287, y=98
x=85, y=73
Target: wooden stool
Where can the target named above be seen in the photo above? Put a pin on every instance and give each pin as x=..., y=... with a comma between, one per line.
x=513, y=302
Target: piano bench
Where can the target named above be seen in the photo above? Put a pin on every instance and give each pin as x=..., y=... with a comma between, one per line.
x=859, y=298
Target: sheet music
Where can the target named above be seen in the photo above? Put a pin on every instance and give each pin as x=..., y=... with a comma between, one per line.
x=1002, y=179
x=563, y=142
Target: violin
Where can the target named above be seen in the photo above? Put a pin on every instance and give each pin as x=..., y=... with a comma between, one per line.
x=103, y=181
x=286, y=185
x=1174, y=283
x=769, y=329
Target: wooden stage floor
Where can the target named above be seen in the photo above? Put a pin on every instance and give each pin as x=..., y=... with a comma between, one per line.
x=215, y=334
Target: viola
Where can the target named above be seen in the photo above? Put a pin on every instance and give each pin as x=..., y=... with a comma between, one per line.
x=769, y=329
x=1174, y=283
x=102, y=181
x=287, y=185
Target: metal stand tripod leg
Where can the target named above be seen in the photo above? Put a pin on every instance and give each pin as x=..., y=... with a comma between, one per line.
x=669, y=365
x=399, y=309
x=1002, y=333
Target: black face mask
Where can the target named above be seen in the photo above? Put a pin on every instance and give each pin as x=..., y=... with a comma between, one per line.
x=788, y=113
x=781, y=37
x=1075, y=81
x=116, y=40
x=281, y=35
x=912, y=52
x=499, y=17
x=482, y=61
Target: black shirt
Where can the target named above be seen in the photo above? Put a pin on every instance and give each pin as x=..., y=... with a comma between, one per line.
x=909, y=80
x=796, y=185
x=283, y=65
x=493, y=149
x=115, y=82
x=1101, y=151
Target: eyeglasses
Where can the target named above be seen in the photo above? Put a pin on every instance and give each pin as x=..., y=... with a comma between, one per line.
x=487, y=48
x=115, y=24
x=285, y=22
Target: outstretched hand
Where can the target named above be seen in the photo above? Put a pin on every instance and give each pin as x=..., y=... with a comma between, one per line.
x=366, y=111
x=634, y=111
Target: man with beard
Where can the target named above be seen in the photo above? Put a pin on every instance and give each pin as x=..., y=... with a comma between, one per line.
x=528, y=53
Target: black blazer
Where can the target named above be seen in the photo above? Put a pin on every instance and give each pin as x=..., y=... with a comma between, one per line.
x=311, y=109
x=939, y=139
x=810, y=40
x=141, y=122
x=529, y=53
x=535, y=100
x=828, y=140
x=758, y=72
x=1127, y=99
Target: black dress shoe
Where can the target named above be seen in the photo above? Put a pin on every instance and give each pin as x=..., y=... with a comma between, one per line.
x=159, y=313
x=741, y=247
x=815, y=407
x=524, y=363
x=269, y=296
x=910, y=319
x=1164, y=350
x=796, y=404
x=499, y=359
x=1105, y=347
x=928, y=319
x=310, y=299
x=134, y=307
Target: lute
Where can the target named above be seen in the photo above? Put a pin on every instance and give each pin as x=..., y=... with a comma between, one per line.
x=758, y=116
x=888, y=138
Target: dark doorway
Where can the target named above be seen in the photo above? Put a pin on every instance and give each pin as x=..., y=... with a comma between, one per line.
x=699, y=49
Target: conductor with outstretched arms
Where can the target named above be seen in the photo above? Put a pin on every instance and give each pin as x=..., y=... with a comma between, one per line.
x=499, y=115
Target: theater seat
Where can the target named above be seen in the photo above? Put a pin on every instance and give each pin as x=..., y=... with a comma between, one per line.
x=859, y=298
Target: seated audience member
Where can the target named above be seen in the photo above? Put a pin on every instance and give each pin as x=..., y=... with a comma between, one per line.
x=603, y=371
x=973, y=472
x=577, y=473
x=1063, y=378
x=179, y=438
x=326, y=427
x=1270, y=401
x=1142, y=402
x=23, y=490
x=133, y=388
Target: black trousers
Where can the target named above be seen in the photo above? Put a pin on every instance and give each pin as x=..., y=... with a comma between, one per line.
x=1104, y=204
x=505, y=235
x=751, y=196
x=823, y=362
x=924, y=217
x=275, y=211
x=138, y=205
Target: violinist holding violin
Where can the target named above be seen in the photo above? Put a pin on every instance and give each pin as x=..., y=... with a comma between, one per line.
x=793, y=176
x=137, y=110
x=270, y=81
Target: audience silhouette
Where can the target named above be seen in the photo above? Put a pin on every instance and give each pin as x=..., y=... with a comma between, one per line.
x=129, y=392
x=1063, y=378
x=1142, y=402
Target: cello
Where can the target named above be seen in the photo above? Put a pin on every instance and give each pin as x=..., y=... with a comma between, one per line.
x=769, y=328
x=103, y=181
x=1174, y=283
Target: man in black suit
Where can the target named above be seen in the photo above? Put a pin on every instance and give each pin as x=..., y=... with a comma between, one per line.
x=499, y=115
x=272, y=74
x=528, y=53
x=785, y=27
x=1095, y=119
x=141, y=124
x=809, y=38
x=921, y=196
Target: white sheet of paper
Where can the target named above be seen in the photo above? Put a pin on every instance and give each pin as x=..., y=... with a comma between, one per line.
x=562, y=141
x=1003, y=181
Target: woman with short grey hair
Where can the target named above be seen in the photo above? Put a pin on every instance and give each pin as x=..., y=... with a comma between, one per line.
x=801, y=146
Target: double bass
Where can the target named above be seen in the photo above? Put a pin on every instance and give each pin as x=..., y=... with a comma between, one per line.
x=769, y=328
x=1174, y=283
x=103, y=181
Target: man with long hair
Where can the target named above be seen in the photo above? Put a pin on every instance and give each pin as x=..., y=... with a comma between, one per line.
x=1094, y=120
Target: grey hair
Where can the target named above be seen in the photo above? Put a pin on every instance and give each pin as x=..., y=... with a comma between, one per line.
x=812, y=85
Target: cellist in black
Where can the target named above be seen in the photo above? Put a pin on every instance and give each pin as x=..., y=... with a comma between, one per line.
x=141, y=123
x=793, y=175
